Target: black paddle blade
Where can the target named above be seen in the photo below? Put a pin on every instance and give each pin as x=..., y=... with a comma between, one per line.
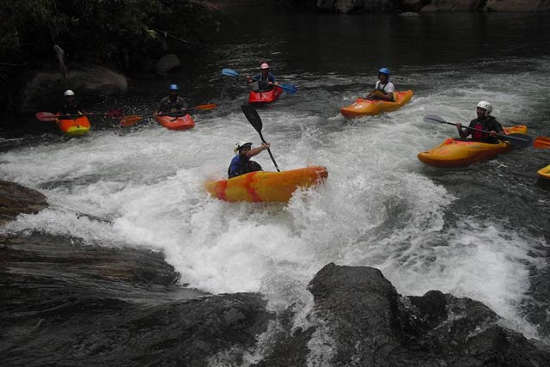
x=518, y=140
x=252, y=117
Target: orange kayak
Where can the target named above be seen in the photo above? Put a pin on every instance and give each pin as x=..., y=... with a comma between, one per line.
x=461, y=153
x=176, y=123
x=74, y=127
x=261, y=186
x=365, y=107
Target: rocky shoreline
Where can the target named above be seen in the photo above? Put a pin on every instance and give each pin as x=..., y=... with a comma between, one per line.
x=68, y=303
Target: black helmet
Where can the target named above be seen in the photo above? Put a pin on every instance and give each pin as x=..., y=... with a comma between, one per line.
x=240, y=146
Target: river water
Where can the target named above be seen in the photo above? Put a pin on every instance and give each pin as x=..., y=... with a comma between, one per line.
x=480, y=232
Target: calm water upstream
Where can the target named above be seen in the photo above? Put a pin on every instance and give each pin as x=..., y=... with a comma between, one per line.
x=480, y=231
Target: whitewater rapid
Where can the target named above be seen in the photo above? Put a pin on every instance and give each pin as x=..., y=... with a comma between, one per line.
x=379, y=207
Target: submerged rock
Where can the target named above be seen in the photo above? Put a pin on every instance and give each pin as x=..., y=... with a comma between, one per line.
x=16, y=199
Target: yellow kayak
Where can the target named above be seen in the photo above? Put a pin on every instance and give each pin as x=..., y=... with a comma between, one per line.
x=261, y=186
x=544, y=172
x=461, y=153
x=365, y=107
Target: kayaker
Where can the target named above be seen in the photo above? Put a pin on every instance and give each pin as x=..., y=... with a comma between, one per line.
x=241, y=163
x=383, y=89
x=484, y=121
x=265, y=79
x=70, y=105
x=173, y=103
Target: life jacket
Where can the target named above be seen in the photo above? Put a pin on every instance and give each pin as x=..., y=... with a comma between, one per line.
x=70, y=108
x=237, y=166
x=382, y=87
x=487, y=123
x=168, y=104
x=478, y=135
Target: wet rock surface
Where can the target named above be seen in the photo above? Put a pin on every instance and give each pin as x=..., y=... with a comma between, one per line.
x=372, y=325
x=66, y=303
x=16, y=199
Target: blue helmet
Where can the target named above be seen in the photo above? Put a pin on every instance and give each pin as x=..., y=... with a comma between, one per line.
x=384, y=71
x=174, y=87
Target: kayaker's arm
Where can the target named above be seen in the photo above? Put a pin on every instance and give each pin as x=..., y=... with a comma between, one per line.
x=380, y=95
x=461, y=132
x=254, y=151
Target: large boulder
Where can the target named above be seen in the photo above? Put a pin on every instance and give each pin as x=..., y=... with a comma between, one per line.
x=372, y=325
x=67, y=303
x=44, y=89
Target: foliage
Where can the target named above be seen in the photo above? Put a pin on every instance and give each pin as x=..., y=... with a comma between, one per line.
x=105, y=31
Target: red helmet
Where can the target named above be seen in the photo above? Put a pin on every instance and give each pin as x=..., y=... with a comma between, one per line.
x=264, y=66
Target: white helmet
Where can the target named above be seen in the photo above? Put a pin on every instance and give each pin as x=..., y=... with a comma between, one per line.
x=238, y=146
x=486, y=106
x=68, y=92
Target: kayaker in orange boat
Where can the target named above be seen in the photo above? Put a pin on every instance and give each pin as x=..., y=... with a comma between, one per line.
x=484, y=121
x=383, y=89
x=173, y=103
x=70, y=105
x=241, y=163
x=265, y=80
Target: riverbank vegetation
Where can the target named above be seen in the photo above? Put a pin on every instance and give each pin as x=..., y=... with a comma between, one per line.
x=124, y=34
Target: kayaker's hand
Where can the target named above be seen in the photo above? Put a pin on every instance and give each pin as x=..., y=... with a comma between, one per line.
x=493, y=133
x=459, y=125
x=265, y=146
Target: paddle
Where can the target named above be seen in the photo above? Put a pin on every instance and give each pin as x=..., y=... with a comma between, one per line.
x=130, y=120
x=256, y=122
x=125, y=121
x=516, y=140
x=542, y=142
x=201, y=107
x=289, y=88
x=52, y=117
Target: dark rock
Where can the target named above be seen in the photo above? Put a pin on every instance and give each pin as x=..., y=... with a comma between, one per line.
x=16, y=199
x=353, y=6
x=372, y=325
x=518, y=5
x=167, y=63
x=65, y=303
x=453, y=5
x=287, y=347
x=44, y=89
